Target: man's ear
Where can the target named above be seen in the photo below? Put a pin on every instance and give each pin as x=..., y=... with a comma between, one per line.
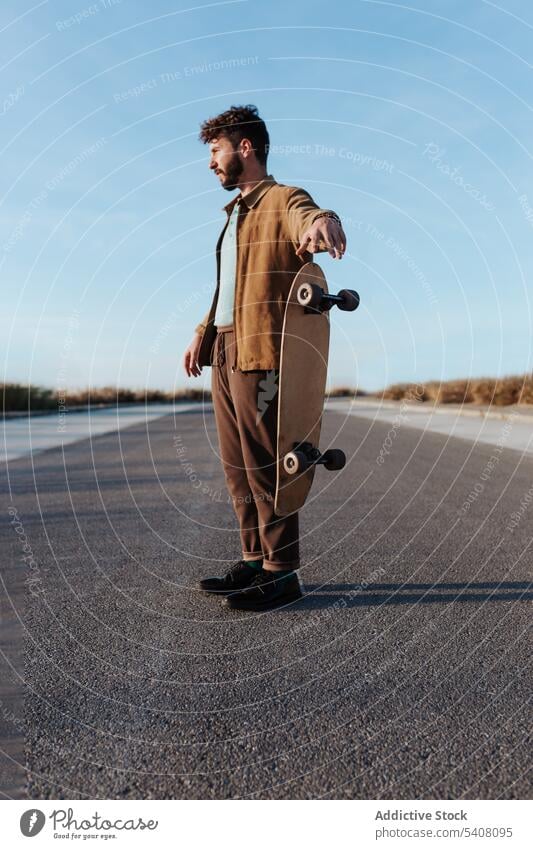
x=245, y=147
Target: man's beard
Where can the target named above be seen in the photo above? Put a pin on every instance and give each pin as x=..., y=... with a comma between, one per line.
x=232, y=171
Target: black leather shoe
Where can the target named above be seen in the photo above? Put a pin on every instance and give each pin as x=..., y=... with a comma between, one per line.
x=239, y=576
x=266, y=591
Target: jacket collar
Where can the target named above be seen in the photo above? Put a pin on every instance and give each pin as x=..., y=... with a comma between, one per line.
x=253, y=197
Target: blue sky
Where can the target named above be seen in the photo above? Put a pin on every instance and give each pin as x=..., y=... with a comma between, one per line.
x=414, y=122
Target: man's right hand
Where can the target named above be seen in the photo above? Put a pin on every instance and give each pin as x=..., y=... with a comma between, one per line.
x=190, y=357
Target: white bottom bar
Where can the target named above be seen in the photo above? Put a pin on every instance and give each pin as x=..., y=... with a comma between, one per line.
x=268, y=825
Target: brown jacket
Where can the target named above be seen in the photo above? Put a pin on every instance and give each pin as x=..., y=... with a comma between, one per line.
x=272, y=220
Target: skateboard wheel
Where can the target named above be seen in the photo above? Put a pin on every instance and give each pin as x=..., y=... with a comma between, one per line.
x=334, y=459
x=310, y=295
x=350, y=300
x=295, y=461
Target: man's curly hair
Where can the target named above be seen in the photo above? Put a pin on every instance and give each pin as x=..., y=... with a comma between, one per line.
x=238, y=122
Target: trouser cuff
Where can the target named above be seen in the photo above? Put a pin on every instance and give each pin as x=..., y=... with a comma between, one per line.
x=280, y=566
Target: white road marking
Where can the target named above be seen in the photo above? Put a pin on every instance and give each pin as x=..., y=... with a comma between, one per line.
x=511, y=429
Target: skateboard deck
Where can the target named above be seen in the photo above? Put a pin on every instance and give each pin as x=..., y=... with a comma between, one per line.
x=302, y=385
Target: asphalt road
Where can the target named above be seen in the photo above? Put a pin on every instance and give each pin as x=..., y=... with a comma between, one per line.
x=403, y=673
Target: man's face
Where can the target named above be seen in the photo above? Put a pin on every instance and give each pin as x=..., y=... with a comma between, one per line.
x=226, y=163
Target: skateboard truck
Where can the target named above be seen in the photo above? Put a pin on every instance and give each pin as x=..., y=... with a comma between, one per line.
x=313, y=297
x=304, y=455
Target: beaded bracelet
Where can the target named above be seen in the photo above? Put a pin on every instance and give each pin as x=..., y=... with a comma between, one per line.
x=332, y=215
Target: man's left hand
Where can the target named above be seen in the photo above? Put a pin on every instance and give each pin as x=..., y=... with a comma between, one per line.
x=324, y=231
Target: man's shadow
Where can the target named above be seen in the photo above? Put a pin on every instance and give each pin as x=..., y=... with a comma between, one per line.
x=319, y=596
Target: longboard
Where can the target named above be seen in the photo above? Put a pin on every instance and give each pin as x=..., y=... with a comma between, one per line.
x=302, y=386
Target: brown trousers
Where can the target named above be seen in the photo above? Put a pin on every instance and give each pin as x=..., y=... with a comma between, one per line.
x=246, y=412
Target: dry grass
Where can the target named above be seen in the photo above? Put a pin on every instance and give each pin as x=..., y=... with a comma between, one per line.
x=505, y=391
x=17, y=397
x=345, y=392
x=118, y=395
x=500, y=392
